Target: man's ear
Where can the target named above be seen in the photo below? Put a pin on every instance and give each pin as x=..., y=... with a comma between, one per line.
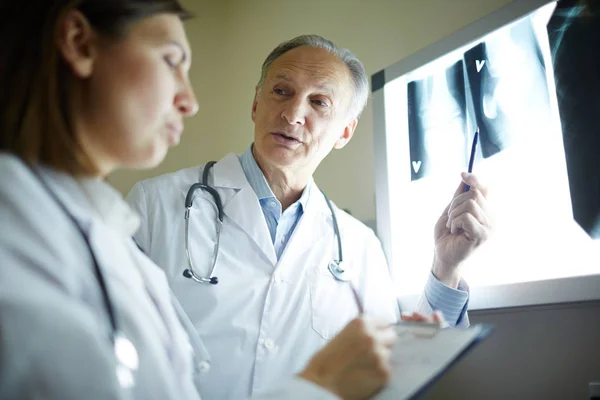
x=346, y=134
x=255, y=102
x=76, y=43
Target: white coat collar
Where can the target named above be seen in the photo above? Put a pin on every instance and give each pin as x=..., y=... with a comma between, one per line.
x=242, y=206
x=228, y=173
x=85, y=197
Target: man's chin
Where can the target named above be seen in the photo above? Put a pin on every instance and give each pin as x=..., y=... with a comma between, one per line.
x=281, y=157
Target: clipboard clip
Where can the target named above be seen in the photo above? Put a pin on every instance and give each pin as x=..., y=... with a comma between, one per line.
x=417, y=329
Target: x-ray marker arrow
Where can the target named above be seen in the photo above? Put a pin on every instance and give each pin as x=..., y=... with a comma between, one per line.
x=479, y=64
x=416, y=166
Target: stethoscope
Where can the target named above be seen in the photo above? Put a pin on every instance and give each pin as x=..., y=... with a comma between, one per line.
x=124, y=350
x=335, y=266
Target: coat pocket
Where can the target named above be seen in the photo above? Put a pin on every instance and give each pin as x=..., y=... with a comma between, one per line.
x=332, y=303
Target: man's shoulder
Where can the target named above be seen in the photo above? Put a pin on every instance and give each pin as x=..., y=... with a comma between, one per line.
x=348, y=222
x=161, y=190
x=172, y=180
x=175, y=181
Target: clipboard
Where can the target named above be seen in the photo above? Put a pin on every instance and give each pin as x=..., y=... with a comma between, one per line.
x=423, y=353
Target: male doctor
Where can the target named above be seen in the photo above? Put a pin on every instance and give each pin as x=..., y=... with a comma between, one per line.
x=276, y=301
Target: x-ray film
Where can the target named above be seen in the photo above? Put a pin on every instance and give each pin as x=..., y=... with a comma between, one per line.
x=532, y=88
x=501, y=86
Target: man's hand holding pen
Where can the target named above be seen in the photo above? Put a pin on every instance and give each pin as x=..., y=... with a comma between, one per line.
x=462, y=228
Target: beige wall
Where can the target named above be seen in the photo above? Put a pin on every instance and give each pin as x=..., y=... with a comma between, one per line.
x=231, y=38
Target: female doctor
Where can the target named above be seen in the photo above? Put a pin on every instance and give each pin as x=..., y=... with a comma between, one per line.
x=90, y=86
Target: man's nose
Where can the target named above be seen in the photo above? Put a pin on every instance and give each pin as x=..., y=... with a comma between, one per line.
x=294, y=112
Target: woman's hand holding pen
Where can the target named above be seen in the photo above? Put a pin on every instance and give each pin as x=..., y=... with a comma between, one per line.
x=463, y=227
x=355, y=364
x=436, y=318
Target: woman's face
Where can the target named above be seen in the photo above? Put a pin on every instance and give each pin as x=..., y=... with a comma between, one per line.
x=132, y=94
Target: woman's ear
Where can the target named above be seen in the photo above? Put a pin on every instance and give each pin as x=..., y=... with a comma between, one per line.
x=76, y=41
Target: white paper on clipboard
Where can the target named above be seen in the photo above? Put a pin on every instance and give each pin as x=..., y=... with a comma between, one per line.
x=422, y=353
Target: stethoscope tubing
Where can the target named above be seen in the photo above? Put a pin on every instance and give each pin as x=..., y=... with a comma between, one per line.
x=335, y=265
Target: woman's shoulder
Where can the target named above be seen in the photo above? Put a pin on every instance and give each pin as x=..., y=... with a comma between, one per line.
x=18, y=184
x=12, y=168
x=35, y=233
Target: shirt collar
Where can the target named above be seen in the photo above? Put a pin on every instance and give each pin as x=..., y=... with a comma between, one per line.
x=258, y=182
x=255, y=176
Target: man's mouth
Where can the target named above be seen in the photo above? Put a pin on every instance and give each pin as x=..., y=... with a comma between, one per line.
x=285, y=137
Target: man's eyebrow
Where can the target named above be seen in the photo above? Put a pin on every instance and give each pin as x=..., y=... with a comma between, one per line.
x=329, y=89
x=280, y=75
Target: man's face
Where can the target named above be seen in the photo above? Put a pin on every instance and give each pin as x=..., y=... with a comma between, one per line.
x=302, y=111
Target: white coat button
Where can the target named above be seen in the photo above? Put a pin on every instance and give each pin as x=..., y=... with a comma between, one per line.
x=269, y=344
x=204, y=366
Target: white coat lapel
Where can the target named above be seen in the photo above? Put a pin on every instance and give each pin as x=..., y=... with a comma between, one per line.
x=314, y=227
x=243, y=207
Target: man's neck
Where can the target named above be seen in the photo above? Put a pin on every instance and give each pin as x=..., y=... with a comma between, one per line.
x=287, y=185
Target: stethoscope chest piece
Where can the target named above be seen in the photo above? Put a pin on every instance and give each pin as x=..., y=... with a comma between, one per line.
x=127, y=360
x=338, y=271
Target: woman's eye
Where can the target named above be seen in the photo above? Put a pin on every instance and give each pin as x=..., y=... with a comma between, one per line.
x=280, y=92
x=172, y=61
x=320, y=103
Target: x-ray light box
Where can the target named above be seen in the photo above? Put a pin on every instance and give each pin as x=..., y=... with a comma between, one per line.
x=527, y=77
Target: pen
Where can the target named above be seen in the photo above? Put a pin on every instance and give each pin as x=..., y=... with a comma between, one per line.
x=472, y=157
x=359, y=305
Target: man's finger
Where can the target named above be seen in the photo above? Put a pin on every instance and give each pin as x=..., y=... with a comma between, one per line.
x=473, y=181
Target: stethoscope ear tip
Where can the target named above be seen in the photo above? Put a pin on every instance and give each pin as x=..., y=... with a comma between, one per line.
x=214, y=280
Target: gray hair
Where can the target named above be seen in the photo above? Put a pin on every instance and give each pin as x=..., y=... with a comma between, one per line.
x=356, y=68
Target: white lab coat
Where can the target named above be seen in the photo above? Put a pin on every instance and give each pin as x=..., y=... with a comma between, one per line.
x=265, y=318
x=54, y=328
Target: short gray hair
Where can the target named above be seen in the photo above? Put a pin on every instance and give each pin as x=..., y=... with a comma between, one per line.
x=356, y=68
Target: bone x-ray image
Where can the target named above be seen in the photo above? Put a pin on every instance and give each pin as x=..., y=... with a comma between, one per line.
x=437, y=121
x=574, y=33
x=503, y=87
x=531, y=86
x=498, y=86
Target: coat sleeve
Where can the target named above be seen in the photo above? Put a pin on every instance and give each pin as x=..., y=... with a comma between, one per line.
x=296, y=389
x=379, y=292
x=452, y=302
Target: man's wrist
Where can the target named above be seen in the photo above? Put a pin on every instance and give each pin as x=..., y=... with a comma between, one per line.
x=449, y=275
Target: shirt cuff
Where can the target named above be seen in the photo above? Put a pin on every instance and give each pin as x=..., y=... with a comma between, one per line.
x=451, y=302
x=297, y=389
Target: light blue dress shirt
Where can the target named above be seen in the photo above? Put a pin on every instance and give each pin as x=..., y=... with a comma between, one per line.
x=281, y=224
x=451, y=302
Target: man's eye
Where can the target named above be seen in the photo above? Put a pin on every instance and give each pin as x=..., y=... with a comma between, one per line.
x=320, y=103
x=280, y=92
